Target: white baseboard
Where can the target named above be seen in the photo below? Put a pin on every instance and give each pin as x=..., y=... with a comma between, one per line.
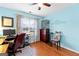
x=70, y=49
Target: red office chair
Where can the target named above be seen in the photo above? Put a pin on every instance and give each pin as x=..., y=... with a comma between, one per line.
x=18, y=42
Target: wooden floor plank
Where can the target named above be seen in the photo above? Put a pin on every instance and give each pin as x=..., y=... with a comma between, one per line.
x=42, y=49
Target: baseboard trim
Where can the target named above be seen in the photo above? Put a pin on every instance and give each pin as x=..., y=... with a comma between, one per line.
x=70, y=49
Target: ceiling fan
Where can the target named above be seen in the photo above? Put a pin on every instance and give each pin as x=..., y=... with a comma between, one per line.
x=44, y=4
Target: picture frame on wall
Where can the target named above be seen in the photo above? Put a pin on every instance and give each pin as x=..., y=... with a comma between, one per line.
x=7, y=21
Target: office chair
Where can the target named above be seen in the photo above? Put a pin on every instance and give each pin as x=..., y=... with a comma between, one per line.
x=18, y=42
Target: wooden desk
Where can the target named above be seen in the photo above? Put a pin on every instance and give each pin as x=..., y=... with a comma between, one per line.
x=2, y=39
x=3, y=48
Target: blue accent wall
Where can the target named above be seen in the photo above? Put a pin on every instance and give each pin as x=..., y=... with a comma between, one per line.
x=67, y=21
x=12, y=13
x=8, y=13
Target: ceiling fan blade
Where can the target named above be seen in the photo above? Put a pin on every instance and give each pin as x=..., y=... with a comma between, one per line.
x=47, y=4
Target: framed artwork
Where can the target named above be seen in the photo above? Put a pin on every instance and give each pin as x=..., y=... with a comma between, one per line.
x=45, y=24
x=7, y=21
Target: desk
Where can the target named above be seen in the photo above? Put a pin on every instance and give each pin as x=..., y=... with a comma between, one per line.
x=2, y=39
x=3, y=48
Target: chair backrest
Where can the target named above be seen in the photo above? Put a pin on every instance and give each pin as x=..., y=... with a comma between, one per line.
x=18, y=41
x=22, y=36
x=57, y=36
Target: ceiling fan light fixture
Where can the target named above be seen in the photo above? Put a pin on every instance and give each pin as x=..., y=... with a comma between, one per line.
x=39, y=8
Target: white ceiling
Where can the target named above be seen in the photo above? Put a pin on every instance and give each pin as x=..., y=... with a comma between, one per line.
x=26, y=7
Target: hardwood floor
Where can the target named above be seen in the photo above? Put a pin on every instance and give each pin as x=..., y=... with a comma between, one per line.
x=42, y=49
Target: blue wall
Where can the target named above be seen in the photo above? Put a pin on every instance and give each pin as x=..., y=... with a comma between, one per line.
x=8, y=13
x=12, y=13
x=67, y=21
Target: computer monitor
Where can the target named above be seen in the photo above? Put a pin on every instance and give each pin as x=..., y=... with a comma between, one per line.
x=9, y=32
